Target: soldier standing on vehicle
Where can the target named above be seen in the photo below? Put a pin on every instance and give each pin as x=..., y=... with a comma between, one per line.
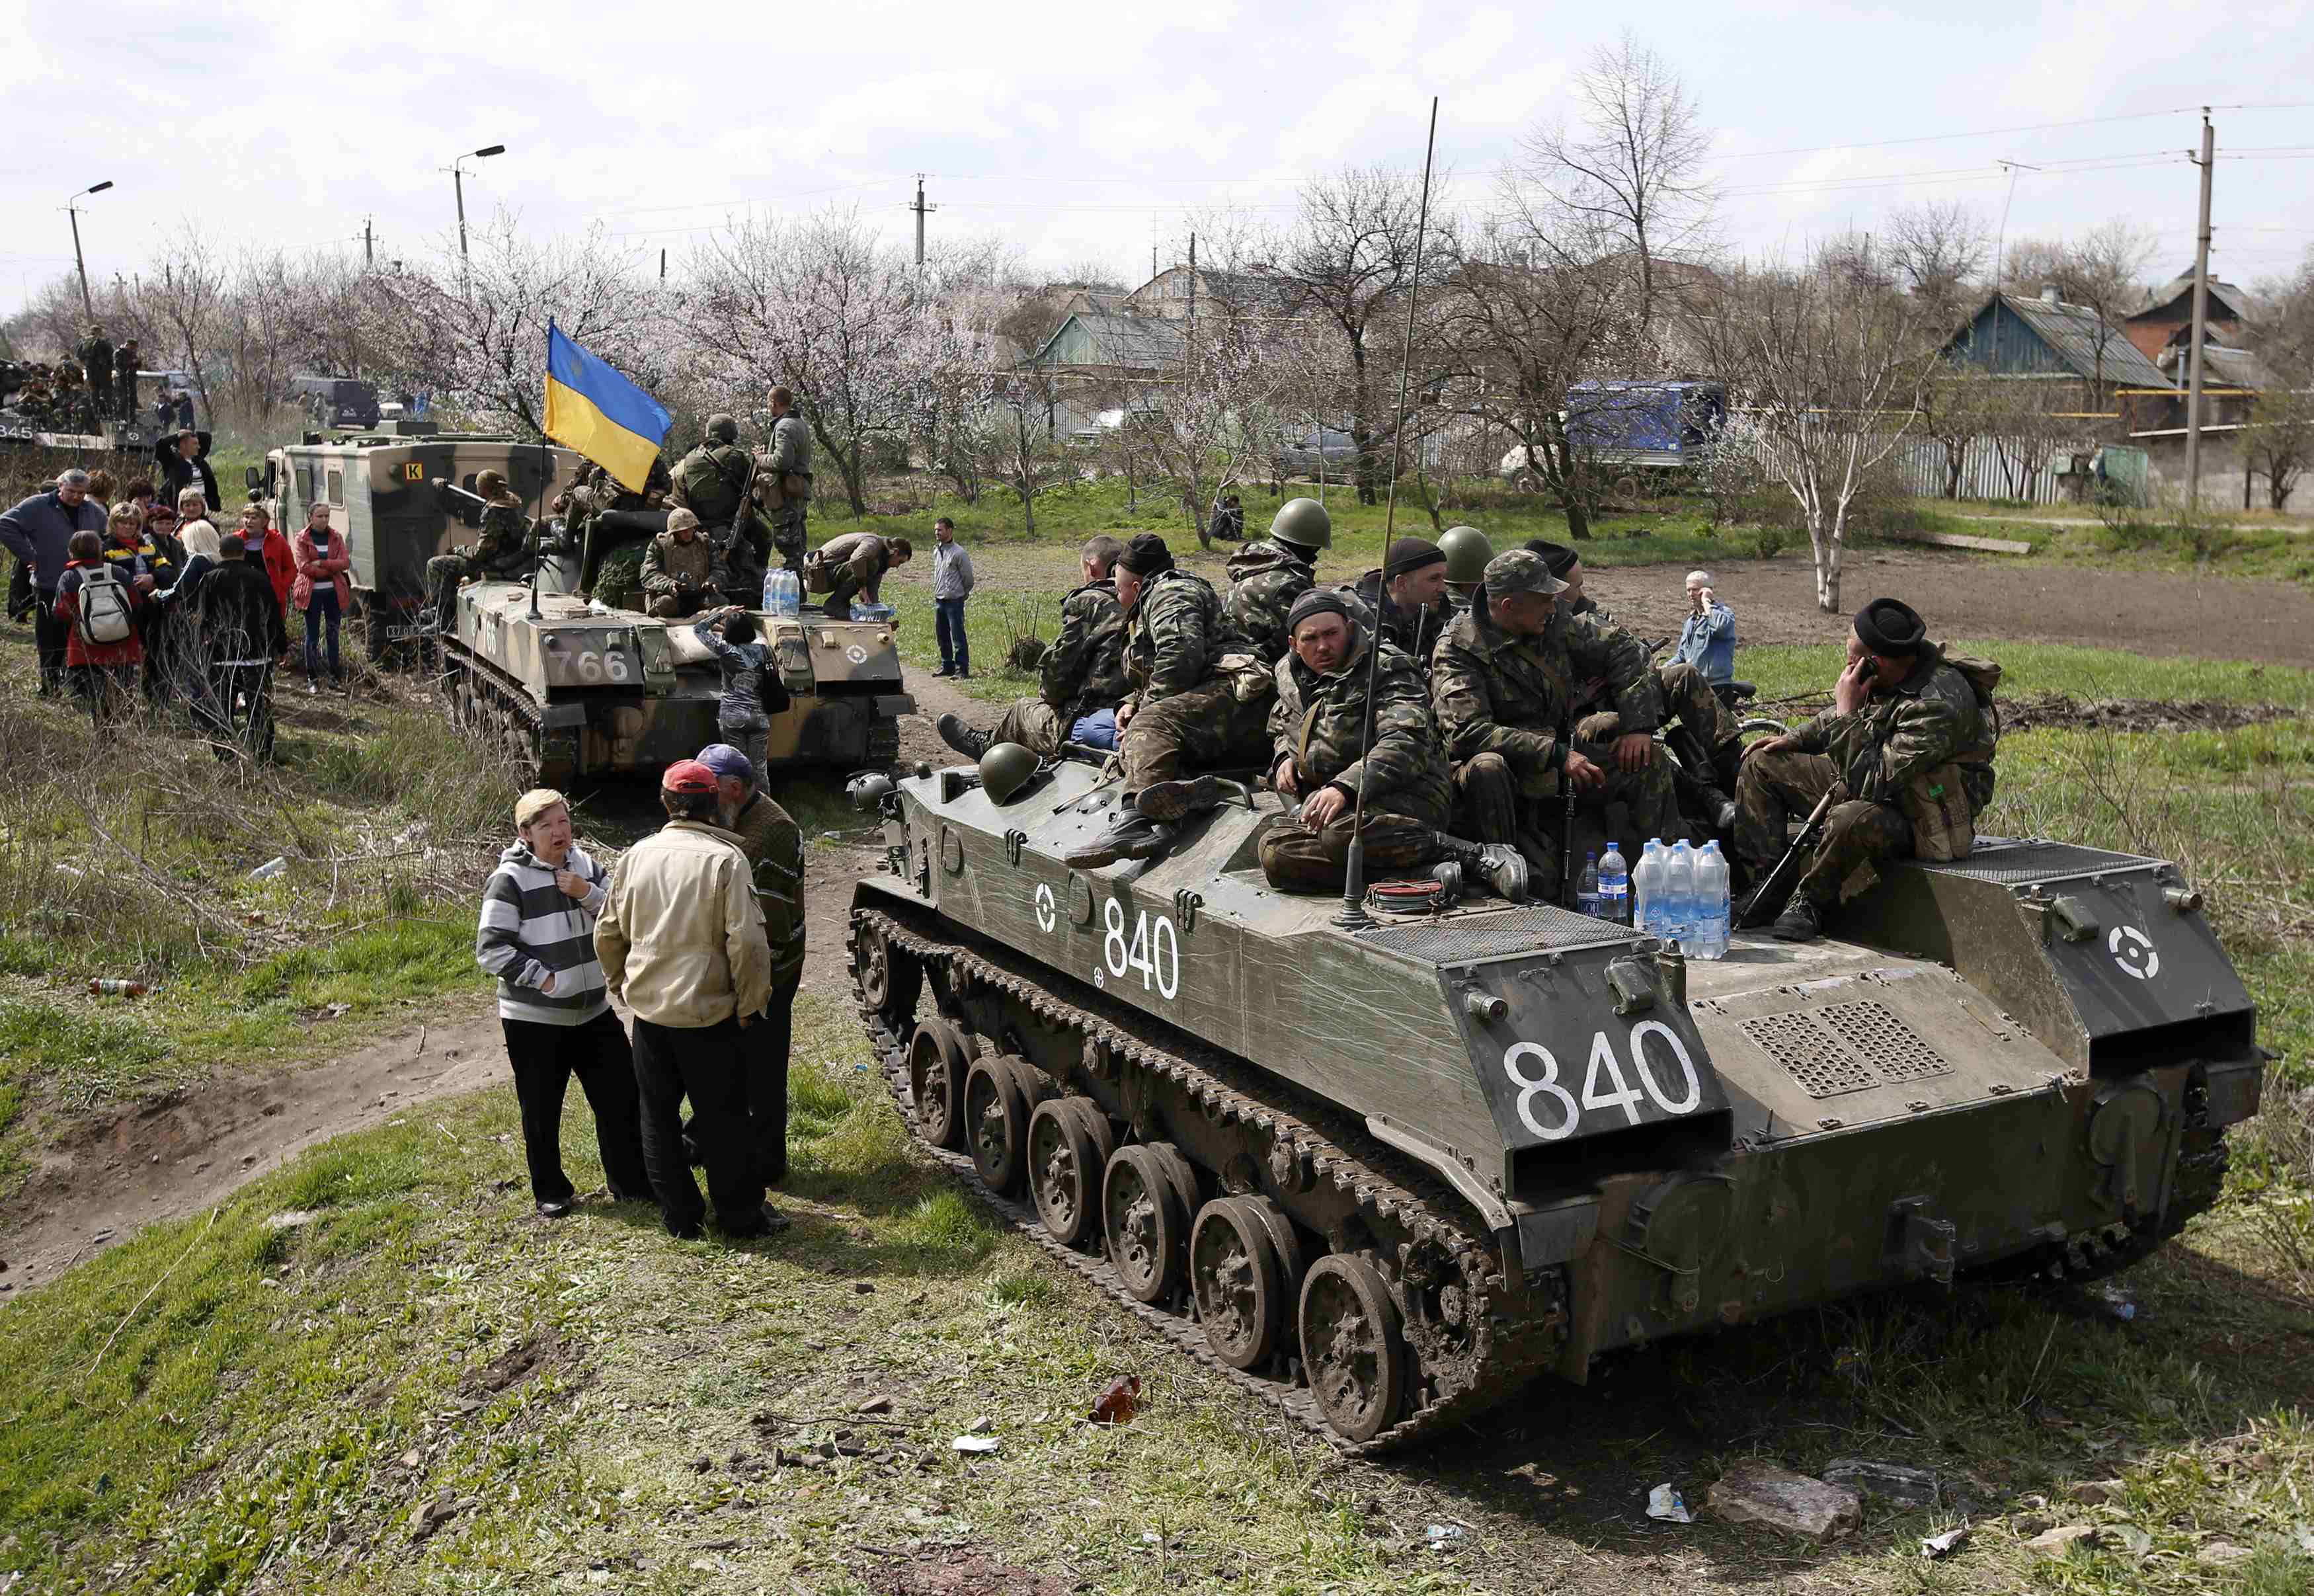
x=678, y=573
x=1906, y=747
x=1266, y=578
x=1200, y=702
x=773, y=844
x=125, y=362
x=1080, y=680
x=713, y=479
x=1502, y=686
x=790, y=464
x=502, y=550
x=95, y=353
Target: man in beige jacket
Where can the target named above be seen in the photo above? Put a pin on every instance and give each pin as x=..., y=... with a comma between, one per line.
x=681, y=939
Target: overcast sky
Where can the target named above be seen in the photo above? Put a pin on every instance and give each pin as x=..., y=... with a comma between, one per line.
x=1085, y=132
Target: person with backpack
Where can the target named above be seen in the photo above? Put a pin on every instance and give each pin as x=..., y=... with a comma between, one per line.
x=37, y=533
x=323, y=590
x=753, y=691
x=98, y=600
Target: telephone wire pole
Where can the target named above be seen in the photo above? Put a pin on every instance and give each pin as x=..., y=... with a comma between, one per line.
x=921, y=209
x=2200, y=323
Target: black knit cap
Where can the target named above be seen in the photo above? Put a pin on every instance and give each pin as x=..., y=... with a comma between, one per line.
x=1558, y=556
x=1317, y=601
x=1892, y=627
x=1411, y=554
x=1146, y=555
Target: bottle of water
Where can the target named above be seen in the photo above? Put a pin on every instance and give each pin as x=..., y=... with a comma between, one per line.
x=782, y=595
x=1679, y=895
x=1586, y=885
x=1615, y=887
x=1713, y=906
x=1647, y=889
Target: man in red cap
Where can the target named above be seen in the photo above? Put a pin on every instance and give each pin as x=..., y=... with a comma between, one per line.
x=681, y=939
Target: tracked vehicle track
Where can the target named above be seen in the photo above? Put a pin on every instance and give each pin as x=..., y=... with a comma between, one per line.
x=1499, y=1334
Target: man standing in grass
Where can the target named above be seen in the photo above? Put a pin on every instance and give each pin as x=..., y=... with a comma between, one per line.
x=537, y=937
x=773, y=844
x=951, y=586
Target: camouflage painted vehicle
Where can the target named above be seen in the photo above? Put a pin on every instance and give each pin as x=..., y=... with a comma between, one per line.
x=381, y=486
x=1381, y=1176
x=572, y=690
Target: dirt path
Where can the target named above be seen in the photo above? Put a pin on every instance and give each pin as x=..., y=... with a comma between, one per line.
x=2149, y=613
x=179, y=1153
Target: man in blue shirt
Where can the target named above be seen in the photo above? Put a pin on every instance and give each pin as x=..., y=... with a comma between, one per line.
x=1708, y=640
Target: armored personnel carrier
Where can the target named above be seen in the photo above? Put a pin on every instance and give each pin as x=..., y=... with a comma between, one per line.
x=1381, y=1176
x=569, y=688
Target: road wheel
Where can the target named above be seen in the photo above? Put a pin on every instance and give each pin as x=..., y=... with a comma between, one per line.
x=1069, y=1147
x=1245, y=1267
x=1352, y=1346
x=888, y=979
x=1146, y=1198
x=998, y=1097
x=938, y=1061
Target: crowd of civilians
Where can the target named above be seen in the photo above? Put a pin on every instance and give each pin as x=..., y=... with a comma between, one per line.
x=206, y=609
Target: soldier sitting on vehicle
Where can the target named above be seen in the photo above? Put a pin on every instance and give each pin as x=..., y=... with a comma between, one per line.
x=1502, y=687
x=1324, y=757
x=1414, y=576
x=1906, y=747
x=502, y=550
x=599, y=498
x=1199, y=698
x=1467, y=552
x=679, y=570
x=743, y=550
x=1266, y=578
x=1080, y=677
x=845, y=568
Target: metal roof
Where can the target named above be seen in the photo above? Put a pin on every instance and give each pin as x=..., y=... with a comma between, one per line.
x=2070, y=330
x=1143, y=343
x=2226, y=299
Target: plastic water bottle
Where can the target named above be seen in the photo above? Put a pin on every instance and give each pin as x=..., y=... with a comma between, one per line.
x=1679, y=895
x=1712, y=903
x=782, y=593
x=1647, y=888
x=1615, y=887
x=1586, y=885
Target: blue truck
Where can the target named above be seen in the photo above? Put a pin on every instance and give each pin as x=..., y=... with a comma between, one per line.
x=1637, y=434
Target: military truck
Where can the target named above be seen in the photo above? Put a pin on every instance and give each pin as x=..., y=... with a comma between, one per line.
x=1380, y=1174
x=380, y=487
x=568, y=689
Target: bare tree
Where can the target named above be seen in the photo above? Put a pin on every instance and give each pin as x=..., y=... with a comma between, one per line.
x=1212, y=417
x=1960, y=405
x=1634, y=159
x=2279, y=441
x=1821, y=385
x=181, y=301
x=1937, y=250
x=2101, y=271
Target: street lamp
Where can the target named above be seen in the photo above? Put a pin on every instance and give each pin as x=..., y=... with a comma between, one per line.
x=458, y=181
x=87, y=308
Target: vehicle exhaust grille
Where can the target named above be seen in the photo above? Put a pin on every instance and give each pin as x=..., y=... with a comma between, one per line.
x=2012, y=863
x=1893, y=1048
x=1814, y=1056
x=1845, y=1047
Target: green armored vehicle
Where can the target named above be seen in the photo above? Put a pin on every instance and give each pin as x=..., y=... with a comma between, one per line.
x=1381, y=1176
x=570, y=689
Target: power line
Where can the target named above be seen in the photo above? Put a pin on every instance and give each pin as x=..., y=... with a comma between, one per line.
x=1879, y=144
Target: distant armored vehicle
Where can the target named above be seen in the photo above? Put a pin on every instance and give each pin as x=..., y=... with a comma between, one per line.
x=381, y=488
x=1381, y=1176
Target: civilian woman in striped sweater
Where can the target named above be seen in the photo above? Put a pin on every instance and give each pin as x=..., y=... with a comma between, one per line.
x=537, y=937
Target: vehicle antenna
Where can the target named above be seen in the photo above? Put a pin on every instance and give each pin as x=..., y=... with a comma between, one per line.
x=1354, y=915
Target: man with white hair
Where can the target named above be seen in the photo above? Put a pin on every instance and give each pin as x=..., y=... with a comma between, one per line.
x=1708, y=640
x=37, y=531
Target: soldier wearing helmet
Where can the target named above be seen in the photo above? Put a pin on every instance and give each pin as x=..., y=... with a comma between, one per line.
x=1467, y=552
x=712, y=480
x=503, y=550
x=1266, y=578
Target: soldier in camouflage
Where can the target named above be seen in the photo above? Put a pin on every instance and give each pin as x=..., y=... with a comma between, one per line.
x=1199, y=700
x=503, y=549
x=126, y=360
x=1900, y=713
x=95, y=353
x=790, y=466
x=1266, y=578
x=600, y=495
x=713, y=479
x=1080, y=675
x=1414, y=575
x=1503, y=686
x=1325, y=753
x=679, y=569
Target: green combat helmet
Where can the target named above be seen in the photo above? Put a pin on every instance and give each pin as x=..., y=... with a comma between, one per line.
x=723, y=428
x=1006, y=770
x=1305, y=524
x=1467, y=552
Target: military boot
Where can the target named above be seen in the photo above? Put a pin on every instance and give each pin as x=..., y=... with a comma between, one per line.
x=1503, y=868
x=1134, y=835
x=1169, y=801
x=1801, y=922
x=960, y=736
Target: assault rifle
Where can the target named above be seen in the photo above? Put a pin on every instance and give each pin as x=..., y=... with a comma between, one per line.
x=1777, y=884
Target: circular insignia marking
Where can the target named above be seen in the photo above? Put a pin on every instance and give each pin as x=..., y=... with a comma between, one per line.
x=2134, y=951
x=856, y=653
x=1047, y=918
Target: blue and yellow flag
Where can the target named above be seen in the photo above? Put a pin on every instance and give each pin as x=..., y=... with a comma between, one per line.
x=592, y=409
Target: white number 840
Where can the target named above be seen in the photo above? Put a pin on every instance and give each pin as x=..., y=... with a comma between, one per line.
x=1603, y=1083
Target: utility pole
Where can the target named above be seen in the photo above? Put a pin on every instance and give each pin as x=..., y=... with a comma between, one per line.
x=2201, y=322
x=369, y=245
x=73, y=210
x=458, y=182
x=921, y=208
x=662, y=263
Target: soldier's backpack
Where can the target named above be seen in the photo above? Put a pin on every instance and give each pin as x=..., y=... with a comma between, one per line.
x=1943, y=827
x=706, y=487
x=106, y=616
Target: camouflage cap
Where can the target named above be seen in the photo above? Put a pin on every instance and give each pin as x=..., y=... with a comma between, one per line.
x=1521, y=570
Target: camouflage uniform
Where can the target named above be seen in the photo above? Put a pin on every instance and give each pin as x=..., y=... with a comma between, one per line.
x=1698, y=726
x=773, y=844
x=845, y=567
x=710, y=480
x=1932, y=717
x=125, y=362
x=1414, y=633
x=606, y=493
x=1265, y=580
x=1083, y=671
x=95, y=355
x=678, y=576
x=1501, y=702
x=790, y=458
x=1319, y=721
x=1189, y=708
x=503, y=549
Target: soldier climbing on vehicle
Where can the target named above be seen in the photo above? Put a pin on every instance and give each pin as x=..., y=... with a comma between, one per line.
x=1080, y=679
x=1906, y=750
x=1266, y=578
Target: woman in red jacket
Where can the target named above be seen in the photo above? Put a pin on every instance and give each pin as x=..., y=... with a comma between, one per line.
x=103, y=673
x=322, y=589
x=268, y=548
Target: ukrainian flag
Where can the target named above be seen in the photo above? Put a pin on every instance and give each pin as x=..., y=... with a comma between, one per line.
x=592, y=409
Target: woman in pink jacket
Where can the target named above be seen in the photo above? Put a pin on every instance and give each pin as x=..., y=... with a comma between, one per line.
x=322, y=589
